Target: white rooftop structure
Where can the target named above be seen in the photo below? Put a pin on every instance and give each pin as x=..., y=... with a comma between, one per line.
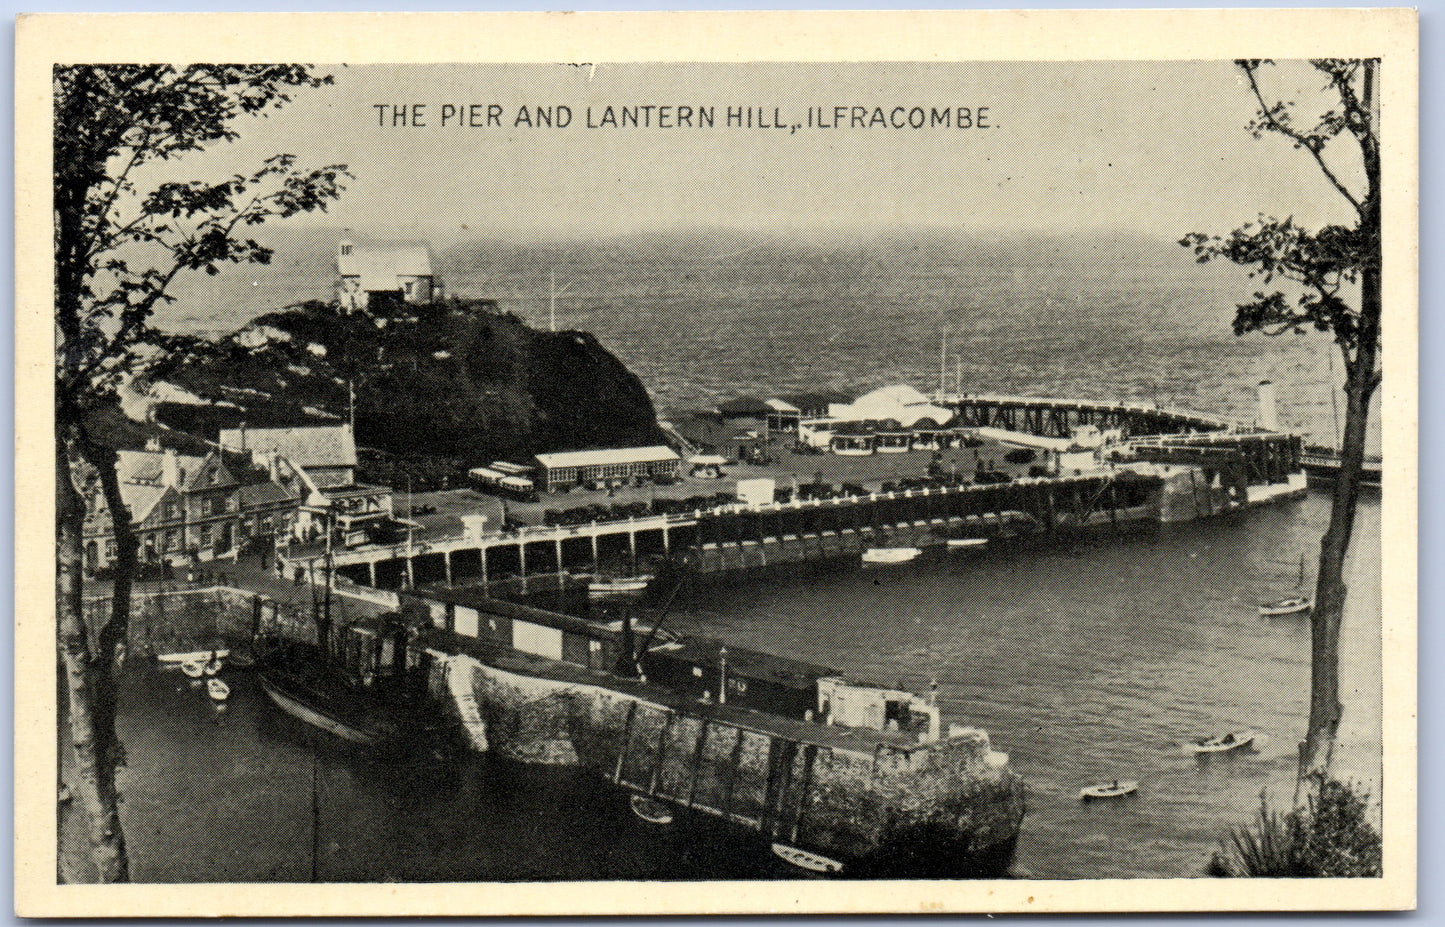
x=901, y=403
x=606, y=456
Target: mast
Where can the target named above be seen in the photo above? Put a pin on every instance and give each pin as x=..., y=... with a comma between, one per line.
x=942, y=364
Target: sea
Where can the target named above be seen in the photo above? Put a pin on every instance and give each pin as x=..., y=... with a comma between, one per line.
x=1087, y=658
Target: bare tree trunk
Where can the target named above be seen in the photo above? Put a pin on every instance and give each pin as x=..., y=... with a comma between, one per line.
x=93, y=749
x=1317, y=748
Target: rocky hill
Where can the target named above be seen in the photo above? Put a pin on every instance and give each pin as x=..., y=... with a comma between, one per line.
x=459, y=380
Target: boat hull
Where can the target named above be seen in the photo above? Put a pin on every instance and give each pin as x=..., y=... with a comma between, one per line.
x=289, y=700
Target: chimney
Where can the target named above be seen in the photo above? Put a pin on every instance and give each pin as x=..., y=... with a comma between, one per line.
x=1268, y=417
x=170, y=469
x=273, y=467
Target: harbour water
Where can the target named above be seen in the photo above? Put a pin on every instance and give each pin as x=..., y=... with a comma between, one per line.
x=1086, y=660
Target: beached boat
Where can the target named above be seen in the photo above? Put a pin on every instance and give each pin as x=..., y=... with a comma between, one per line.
x=617, y=585
x=1294, y=605
x=1234, y=740
x=1118, y=788
x=846, y=777
x=966, y=543
x=217, y=689
x=883, y=556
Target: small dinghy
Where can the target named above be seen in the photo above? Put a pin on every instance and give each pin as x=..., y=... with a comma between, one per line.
x=217, y=689
x=607, y=585
x=652, y=812
x=1295, y=605
x=813, y=862
x=194, y=669
x=966, y=543
x=180, y=658
x=1234, y=740
x=883, y=556
x=212, y=666
x=1118, y=788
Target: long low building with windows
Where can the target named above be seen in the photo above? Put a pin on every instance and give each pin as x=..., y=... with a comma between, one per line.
x=565, y=469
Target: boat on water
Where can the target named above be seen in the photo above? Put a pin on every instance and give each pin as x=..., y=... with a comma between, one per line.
x=650, y=811
x=845, y=777
x=1118, y=788
x=194, y=669
x=212, y=666
x=217, y=689
x=302, y=683
x=966, y=543
x=178, y=659
x=617, y=585
x=884, y=556
x=1234, y=740
x=1294, y=605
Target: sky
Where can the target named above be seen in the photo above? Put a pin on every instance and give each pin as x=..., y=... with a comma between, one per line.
x=1154, y=148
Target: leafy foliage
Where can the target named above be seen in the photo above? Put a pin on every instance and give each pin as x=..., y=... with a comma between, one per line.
x=1330, y=838
x=1323, y=265
x=117, y=247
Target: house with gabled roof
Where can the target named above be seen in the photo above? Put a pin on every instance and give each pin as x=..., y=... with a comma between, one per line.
x=371, y=273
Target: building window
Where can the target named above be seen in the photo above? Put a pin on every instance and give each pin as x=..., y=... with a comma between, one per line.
x=170, y=511
x=171, y=540
x=205, y=535
x=110, y=548
x=266, y=525
x=345, y=249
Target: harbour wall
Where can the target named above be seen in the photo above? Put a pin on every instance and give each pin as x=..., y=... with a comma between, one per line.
x=947, y=809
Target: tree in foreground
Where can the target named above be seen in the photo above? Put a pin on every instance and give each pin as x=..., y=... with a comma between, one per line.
x=1333, y=274
x=118, y=247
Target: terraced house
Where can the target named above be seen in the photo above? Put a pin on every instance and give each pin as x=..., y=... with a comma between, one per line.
x=187, y=509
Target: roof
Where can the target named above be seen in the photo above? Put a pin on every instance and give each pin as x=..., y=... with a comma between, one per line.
x=141, y=500
x=805, y=401
x=744, y=406
x=604, y=456
x=146, y=466
x=308, y=447
x=378, y=264
x=263, y=494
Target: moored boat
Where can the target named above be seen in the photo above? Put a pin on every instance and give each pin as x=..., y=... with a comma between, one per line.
x=966, y=543
x=1118, y=788
x=1234, y=740
x=1294, y=605
x=217, y=689
x=884, y=556
x=177, y=659
x=617, y=585
x=298, y=680
x=194, y=669
x=650, y=811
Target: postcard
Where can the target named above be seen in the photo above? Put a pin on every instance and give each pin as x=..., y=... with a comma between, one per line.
x=692, y=463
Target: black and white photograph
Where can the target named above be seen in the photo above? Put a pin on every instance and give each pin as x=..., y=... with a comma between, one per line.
x=955, y=465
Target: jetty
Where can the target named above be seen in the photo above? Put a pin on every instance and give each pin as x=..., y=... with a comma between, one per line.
x=1162, y=465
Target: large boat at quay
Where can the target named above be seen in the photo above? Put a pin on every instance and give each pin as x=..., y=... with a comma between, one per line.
x=831, y=775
